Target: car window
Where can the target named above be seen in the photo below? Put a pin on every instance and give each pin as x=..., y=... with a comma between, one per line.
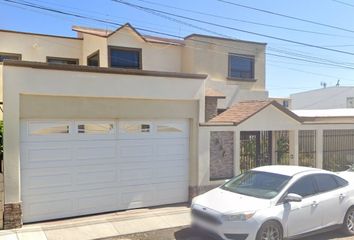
x=303, y=187
x=257, y=184
x=341, y=182
x=325, y=182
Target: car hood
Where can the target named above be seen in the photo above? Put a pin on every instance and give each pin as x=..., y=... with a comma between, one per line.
x=224, y=202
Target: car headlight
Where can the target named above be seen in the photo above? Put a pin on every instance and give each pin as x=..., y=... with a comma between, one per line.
x=238, y=216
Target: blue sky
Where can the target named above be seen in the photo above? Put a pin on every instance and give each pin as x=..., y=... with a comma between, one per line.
x=284, y=76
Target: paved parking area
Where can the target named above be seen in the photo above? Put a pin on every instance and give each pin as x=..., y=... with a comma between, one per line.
x=186, y=233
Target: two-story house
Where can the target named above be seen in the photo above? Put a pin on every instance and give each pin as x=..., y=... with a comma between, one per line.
x=109, y=120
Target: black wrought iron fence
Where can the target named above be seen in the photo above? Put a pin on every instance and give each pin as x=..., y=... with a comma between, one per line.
x=307, y=148
x=281, y=139
x=255, y=149
x=338, y=149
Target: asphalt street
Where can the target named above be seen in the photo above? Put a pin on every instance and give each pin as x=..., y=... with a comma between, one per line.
x=186, y=233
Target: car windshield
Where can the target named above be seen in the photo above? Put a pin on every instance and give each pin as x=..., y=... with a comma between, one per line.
x=257, y=184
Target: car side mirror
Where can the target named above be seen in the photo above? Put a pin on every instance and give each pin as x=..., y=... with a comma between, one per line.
x=292, y=197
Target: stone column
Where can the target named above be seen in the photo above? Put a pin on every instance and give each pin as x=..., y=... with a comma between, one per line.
x=211, y=108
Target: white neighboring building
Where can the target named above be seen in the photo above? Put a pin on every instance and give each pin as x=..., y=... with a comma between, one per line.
x=324, y=98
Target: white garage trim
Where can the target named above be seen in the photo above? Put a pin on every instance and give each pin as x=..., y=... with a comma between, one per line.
x=71, y=168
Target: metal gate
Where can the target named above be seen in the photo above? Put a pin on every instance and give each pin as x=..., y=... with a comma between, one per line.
x=307, y=148
x=281, y=141
x=338, y=149
x=255, y=149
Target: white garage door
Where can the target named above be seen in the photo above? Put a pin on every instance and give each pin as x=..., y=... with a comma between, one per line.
x=71, y=168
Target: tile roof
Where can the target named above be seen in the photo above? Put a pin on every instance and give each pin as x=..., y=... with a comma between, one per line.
x=241, y=111
x=210, y=92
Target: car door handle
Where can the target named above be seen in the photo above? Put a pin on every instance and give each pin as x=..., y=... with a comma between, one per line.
x=341, y=196
x=314, y=204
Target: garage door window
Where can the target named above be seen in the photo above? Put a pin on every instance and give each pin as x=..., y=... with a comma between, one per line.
x=164, y=128
x=95, y=128
x=136, y=128
x=42, y=129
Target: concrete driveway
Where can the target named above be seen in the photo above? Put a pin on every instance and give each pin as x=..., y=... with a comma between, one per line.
x=186, y=233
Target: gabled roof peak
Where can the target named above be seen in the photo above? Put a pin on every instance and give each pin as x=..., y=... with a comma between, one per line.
x=242, y=111
x=108, y=32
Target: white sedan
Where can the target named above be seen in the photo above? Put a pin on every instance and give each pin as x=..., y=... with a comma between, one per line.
x=275, y=203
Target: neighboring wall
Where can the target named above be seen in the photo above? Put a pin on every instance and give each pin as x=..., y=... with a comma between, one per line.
x=325, y=98
x=35, y=47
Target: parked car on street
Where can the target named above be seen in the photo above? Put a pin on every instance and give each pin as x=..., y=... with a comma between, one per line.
x=275, y=203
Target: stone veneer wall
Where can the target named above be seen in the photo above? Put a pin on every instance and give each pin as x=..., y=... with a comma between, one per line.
x=221, y=155
x=12, y=215
x=211, y=108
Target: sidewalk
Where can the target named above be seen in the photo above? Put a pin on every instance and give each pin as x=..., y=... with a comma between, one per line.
x=103, y=225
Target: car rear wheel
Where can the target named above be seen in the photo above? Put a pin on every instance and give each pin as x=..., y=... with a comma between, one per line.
x=270, y=231
x=348, y=224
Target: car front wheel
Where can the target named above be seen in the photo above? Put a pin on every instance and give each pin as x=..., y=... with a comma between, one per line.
x=348, y=224
x=270, y=231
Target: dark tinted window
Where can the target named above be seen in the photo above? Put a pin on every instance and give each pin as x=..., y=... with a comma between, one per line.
x=69, y=61
x=325, y=182
x=303, y=187
x=341, y=182
x=122, y=58
x=241, y=66
x=257, y=184
x=9, y=56
x=93, y=60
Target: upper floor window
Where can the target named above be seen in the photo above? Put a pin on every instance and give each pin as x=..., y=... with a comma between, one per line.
x=120, y=57
x=94, y=59
x=241, y=67
x=58, y=60
x=9, y=56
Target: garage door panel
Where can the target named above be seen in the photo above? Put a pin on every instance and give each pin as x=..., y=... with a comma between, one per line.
x=171, y=148
x=95, y=149
x=33, y=155
x=96, y=176
x=50, y=180
x=38, y=208
x=80, y=173
x=136, y=176
x=138, y=196
x=171, y=192
x=94, y=203
x=134, y=149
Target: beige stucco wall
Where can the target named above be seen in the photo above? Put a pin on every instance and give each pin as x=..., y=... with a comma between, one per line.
x=91, y=44
x=37, y=48
x=210, y=56
x=206, y=55
x=161, y=57
x=101, y=97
